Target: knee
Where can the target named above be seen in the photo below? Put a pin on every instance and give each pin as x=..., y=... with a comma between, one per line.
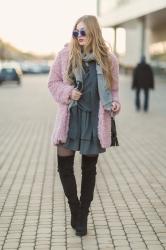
x=88, y=165
x=65, y=165
x=65, y=171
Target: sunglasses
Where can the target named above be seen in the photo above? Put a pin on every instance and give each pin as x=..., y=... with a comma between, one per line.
x=77, y=33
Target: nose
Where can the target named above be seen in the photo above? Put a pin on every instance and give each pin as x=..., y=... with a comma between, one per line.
x=79, y=34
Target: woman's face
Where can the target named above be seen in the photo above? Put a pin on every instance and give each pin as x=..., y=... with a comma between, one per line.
x=82, y=36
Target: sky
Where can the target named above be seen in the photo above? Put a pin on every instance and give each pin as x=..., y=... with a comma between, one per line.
x=41, y=26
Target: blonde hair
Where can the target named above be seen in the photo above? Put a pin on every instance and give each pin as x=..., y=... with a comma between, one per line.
x=96, y=44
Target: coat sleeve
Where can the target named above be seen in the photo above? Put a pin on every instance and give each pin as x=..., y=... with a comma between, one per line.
x=115, y=78
x=60, y=91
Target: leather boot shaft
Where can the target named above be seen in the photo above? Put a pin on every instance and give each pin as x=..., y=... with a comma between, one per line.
x=87, y=190
x=66, y=173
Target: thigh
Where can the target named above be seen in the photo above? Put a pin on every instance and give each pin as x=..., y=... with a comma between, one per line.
x=137, y=92
x=94, y=156
x=62, y=151
x=91, y=157
x=146, y=92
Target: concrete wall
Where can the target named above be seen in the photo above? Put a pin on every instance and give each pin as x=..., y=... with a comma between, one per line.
x=145, y=25
x=133, y=43
x=131, y=10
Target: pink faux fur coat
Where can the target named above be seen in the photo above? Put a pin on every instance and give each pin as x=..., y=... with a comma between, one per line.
x=61, y=90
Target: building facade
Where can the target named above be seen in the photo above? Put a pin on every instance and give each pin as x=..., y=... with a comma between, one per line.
x=144, y=23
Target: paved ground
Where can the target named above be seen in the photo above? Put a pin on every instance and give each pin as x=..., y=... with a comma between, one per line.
x=129, y=207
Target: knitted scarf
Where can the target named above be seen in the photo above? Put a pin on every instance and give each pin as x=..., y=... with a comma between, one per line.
x=104, y=92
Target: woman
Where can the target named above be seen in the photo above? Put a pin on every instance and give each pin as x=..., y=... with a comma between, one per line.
x=84, y=82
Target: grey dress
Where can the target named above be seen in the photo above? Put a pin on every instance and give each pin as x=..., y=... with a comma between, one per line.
x=83, y=134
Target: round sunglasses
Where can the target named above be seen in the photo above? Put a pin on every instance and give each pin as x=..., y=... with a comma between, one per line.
x=77, y=33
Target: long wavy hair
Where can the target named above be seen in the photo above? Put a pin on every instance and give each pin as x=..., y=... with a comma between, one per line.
x=95, y=44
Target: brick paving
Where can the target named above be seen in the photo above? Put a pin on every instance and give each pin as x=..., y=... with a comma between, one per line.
x=129, y=207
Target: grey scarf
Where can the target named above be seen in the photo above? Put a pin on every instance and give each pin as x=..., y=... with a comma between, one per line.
x=104, y=92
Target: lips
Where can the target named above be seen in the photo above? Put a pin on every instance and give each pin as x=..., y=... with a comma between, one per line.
x=80, y=40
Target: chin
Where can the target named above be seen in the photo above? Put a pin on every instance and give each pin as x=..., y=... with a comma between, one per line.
x=82, y=44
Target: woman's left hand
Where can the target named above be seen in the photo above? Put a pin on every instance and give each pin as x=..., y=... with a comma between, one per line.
x=115, y=107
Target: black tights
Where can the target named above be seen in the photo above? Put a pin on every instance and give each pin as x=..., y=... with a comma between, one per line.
x=62, y=151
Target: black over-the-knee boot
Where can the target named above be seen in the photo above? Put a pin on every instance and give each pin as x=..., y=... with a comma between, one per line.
x=87, y=191
x=66, y=173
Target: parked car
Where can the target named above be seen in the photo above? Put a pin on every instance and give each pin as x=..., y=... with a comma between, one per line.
x=30, y=67
x=10, y=73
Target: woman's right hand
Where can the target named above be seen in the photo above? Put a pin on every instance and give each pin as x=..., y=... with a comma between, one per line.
x=75, y=95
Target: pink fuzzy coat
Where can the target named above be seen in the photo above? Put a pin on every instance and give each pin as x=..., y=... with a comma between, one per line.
x=61, y=90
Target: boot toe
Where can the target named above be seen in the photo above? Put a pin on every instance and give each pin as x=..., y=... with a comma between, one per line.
x=81, y=232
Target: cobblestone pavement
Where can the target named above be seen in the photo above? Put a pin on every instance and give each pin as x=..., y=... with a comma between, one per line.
x=129, y=207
